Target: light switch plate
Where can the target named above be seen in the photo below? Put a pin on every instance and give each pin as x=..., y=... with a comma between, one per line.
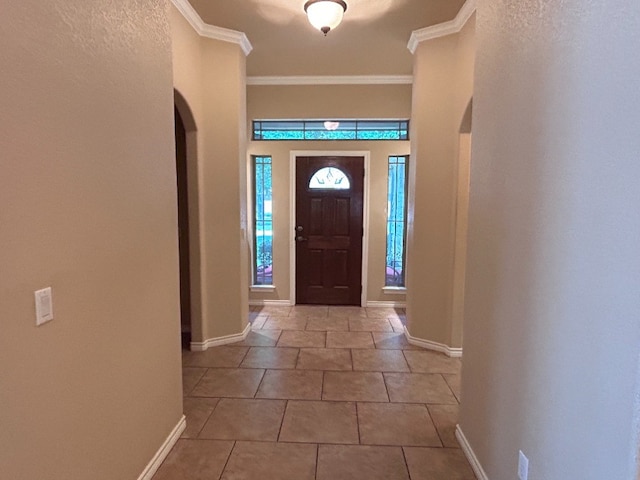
x=44, y=306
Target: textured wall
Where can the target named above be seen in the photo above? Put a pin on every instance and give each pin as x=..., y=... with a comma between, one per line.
x=442, y=89
x=551, y=325
x=88, y=207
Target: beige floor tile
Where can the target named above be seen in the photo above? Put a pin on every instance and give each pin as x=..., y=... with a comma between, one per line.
x=245, y=419
x=419, y=388
x=225, y=357
x=393, y=341
x=383, y=312
x=397, y=324
x=259, y=322
x=425, y=361
x=396, y=424
x=302, y=339
x=454, y=384
x=374, y=360
x=285, y=323
x=325, y=359
x=438, y=464
x=370, y=325
x=348, y=312
x=320, y=422
x=273, y=311
x=197, y=411
x=445, y=418
x=328, y=324
x=271, y=357
x=190, y=378
x=337, y=462
x=195, y=460
x=291, y=385
x=354, y=386
x=350, y=340
x=229, y=382
x=271, y=461
x=260, y=338
x=309, y=311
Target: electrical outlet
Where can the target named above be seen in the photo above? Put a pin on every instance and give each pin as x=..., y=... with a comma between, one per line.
x=44, y=306
x=523, y=466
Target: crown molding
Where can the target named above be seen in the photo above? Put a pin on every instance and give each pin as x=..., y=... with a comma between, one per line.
x=210, y=31
x=443, y=29
x=333, y=80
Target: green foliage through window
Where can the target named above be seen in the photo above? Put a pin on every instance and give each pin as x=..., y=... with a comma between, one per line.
x=396, y=221
x=263, y=221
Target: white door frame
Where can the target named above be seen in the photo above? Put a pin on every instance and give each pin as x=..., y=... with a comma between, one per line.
x=292, y=213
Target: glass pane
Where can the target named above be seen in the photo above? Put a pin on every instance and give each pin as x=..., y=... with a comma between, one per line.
x=263, y=222
x=396, y=222
x=330, y=130
x=330, y=178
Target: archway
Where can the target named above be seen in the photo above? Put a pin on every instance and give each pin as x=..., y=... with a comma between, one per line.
x=188, y=225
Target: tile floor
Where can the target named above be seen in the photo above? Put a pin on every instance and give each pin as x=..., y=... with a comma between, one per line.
x=319, y=393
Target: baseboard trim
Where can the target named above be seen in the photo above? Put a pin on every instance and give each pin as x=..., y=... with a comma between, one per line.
x=217, y=342
x=373, y=304
x=429, y=345
x=270, y=303
x=470, y=454
x=164, y=450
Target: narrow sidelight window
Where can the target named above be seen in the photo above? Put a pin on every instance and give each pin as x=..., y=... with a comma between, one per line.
x=396, y=221
x=263, y=222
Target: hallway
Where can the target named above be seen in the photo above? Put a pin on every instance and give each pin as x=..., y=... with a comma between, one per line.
x=319, y=393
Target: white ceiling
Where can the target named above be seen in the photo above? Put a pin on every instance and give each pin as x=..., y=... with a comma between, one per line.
x=372, y=39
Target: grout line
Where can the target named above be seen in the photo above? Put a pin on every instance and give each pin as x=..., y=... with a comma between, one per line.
x=407, y=360
x=264, y=374
x=322, y=389
x=358, y=424
x=235, y=442
x=284, y=413
x=406, y=464
x=434, y=424
x=353, y=368
x=208, y=418
x=317, y=460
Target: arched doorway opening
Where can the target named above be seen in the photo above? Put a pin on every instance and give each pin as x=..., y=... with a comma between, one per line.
x=188, y=229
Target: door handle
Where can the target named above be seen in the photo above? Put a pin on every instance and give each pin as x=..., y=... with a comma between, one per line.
x=300, y=238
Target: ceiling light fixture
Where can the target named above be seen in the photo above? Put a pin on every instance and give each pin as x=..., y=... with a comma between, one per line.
x=325, y=15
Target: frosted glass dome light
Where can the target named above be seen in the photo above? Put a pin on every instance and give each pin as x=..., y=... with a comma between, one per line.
x=325, y=15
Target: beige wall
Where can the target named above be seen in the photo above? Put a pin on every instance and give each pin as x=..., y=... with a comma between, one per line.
x=318, y=102
x=552, y=307
x=211, y=77
x=88, y=207
x=443, y=87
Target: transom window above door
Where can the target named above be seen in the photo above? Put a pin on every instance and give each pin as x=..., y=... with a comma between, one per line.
x=274, y=130
x=329, y=178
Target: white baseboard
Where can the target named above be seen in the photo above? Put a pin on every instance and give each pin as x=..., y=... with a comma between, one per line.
x=270, y=303
x=164, y=450
x=471, y=456
x=373, y=304
x=429, y=345
x=216, y=342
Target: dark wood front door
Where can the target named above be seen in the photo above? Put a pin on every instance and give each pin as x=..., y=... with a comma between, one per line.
x=329, y=229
